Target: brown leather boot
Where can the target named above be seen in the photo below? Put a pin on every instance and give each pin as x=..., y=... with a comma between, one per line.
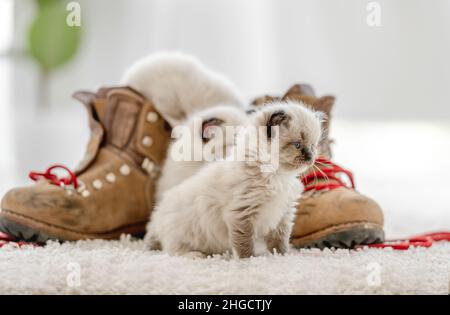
x=330, y=213
x=112, y=190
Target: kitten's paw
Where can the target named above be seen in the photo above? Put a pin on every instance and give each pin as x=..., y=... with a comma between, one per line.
x=279, y=250
x=152, y=243
x=240, y=255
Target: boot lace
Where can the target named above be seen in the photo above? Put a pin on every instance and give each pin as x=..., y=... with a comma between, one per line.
x=324, y=176
x=423, y=240
x=70, y=180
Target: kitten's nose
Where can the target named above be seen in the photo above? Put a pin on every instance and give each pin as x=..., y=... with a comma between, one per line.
x=307, y=154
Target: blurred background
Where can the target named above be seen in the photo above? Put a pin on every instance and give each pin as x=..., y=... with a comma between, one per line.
x=386, y=62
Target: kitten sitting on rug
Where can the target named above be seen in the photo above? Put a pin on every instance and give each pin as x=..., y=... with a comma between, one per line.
x=203, y=127
x=236, y=204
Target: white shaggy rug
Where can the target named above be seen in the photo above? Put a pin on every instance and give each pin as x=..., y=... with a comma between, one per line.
x=125, y=267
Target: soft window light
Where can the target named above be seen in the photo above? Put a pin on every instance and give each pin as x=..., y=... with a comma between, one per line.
x=6, y=24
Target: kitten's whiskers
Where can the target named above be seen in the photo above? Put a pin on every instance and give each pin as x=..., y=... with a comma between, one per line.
x=321, y=172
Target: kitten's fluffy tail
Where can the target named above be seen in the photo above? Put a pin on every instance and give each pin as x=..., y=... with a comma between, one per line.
x=178, y=84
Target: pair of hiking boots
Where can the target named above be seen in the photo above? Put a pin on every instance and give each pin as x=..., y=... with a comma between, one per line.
x=112, y=191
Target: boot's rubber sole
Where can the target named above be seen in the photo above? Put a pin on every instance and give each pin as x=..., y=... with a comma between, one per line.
x=31, y=230
x=348, y=235
x=20, y=232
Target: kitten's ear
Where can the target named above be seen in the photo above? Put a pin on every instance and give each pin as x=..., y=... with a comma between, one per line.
x=207, y=124
x=276, y=118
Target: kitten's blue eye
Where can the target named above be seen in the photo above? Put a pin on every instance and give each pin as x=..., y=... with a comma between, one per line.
x=297, y=145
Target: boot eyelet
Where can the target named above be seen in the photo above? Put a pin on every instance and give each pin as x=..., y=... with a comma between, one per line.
x=147, y=141
x=152, y=117
x=110, y=178
x=85, y=193
x=125, y=170
x=97, y=184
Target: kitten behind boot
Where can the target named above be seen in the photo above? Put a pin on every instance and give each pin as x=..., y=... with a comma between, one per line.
x=238, y=204
x=179, y=84
x=202, y=126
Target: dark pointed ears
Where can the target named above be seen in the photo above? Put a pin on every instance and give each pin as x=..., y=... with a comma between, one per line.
x=207, y=124
x=276, y=118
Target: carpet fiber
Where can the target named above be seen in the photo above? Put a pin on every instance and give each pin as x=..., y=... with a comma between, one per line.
x=125, y=267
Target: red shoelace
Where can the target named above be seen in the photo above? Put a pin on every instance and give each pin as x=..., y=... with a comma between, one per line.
x=424, y=240
x=54, y=179
x=324, y=176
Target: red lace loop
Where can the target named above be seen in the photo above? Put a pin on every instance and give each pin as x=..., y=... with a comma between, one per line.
x=55, y=180
x=425, y=240
x=324, y=176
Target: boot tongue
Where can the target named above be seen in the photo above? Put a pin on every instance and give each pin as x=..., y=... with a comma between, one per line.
x=95, y=103
x=113, y=113
x=124, y=121
x=97, y=131
x=121, y=115
x=305, y=93
x=300, y=89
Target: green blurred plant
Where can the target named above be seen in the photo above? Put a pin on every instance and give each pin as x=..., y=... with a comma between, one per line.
x=51, y=41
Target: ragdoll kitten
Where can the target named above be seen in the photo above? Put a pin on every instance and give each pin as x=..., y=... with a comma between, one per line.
x=201, y=126
x=179, y=84
x=236, y=205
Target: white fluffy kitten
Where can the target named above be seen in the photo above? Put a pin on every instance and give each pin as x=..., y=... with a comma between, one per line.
x=201, y=126
x=234, y=205
x=178, y=85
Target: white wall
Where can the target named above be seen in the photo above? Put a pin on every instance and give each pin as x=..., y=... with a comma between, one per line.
x=398, y=70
